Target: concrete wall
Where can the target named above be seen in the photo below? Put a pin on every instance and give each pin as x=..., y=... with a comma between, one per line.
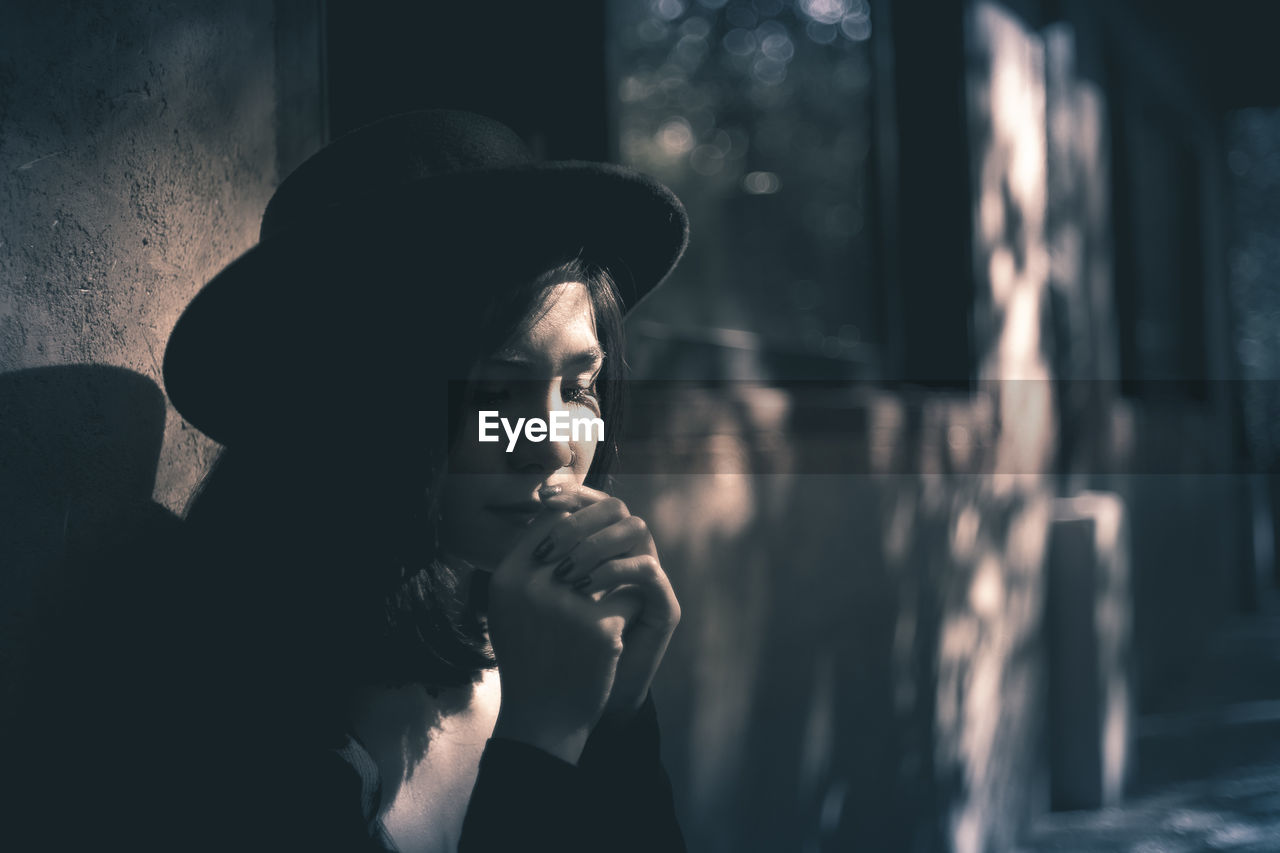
x=138, y=147
x=139, y=143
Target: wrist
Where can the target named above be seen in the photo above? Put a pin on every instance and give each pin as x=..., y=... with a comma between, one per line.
x=622, y=711
x=564, y=743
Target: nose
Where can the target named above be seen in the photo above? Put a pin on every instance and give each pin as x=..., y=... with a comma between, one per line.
x=545, y=456
x=530, y=457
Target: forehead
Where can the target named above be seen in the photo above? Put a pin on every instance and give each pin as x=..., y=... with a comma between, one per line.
x=565, y=325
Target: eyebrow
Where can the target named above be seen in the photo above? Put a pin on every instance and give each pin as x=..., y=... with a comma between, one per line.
x=515, y=358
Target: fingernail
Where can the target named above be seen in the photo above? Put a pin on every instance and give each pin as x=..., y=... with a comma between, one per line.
x=566, y=565
x=582, y=582
x=549, y=491
x=543, y=549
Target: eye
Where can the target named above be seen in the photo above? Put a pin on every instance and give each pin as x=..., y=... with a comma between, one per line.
x=585, y=395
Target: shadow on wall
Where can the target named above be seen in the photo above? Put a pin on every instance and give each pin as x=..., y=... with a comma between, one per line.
x=79, y=446
x=138, y=143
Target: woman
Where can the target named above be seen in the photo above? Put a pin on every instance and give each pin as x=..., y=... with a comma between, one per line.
x=363, y=560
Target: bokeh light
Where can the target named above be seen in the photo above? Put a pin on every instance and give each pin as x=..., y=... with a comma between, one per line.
x=758, y=114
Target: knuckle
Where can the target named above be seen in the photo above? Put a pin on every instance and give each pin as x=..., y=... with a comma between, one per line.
x=646, y=567
x=608, y=637
x=616, y=507
x=638, y=525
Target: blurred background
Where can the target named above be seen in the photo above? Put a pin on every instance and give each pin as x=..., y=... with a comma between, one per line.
x=957, y=425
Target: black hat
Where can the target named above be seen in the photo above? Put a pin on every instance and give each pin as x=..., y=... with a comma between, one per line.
x=355, y=240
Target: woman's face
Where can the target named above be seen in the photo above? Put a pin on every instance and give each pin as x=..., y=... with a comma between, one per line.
x=491, y=494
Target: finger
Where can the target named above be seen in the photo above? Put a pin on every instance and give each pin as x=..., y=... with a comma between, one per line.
x=636, y=580
x=626, y=537
x=642, y=572
x=571, y=497
x=530, y=540
x=565, y=535
x=556, y=501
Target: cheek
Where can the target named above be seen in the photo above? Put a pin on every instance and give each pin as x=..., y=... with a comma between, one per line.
x=585, y=454
x=467, y=528
x=471, y=456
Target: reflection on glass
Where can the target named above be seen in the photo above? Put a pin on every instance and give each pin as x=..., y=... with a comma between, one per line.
x=758, y=114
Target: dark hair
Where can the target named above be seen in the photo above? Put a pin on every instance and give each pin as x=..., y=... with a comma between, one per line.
x=330, y=560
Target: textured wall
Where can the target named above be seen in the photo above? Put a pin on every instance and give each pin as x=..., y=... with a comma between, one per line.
x=138, y=148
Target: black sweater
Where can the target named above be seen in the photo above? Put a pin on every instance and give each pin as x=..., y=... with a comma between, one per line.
x=617, y=798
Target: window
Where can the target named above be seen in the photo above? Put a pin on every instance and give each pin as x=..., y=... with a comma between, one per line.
x=759, y=115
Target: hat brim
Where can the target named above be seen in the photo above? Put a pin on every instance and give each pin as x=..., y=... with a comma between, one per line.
x=308, y=312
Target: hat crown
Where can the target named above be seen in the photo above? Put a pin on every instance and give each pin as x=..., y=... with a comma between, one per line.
x=388, y=155
x=278, y=334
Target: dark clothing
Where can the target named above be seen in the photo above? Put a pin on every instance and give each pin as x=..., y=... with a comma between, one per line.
x=132, y=735
x=617, y=798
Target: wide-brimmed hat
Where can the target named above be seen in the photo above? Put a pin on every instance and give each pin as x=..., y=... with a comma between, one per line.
x=406, y=221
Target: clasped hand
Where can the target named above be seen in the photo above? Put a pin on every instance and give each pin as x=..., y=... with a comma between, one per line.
x=580, y=614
